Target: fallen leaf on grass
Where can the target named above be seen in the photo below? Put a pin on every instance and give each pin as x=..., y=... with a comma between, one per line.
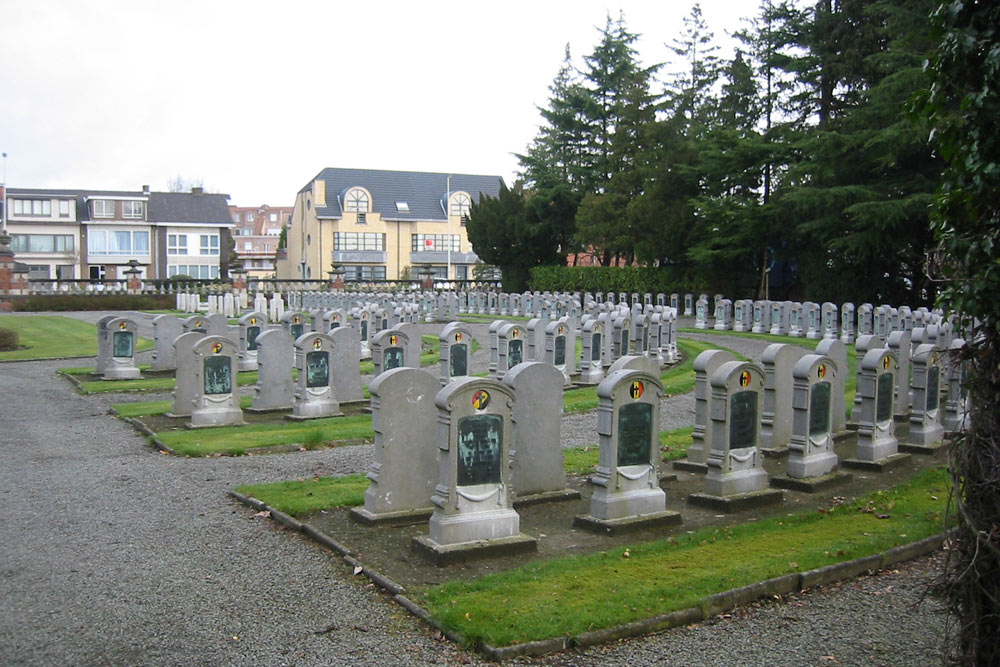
x=266, y=514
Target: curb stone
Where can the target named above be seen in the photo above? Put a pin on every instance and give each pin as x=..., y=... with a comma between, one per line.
x=710, y=606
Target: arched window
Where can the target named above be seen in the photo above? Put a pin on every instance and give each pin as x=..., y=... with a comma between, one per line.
x=357, y=201
x=460, y=205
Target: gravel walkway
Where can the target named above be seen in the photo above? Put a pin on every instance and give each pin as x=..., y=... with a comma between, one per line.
x=115, y=554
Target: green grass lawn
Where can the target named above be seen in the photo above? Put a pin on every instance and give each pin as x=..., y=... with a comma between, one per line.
x=238, y=440
x=54, y=337
x=298, y=497
x=571, y=595
x=163, y=383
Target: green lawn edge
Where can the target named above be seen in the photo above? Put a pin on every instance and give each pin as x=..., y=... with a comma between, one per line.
x=54, y=337
x=576, y=594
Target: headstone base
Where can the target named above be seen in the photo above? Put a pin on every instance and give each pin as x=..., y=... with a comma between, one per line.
x=774, y=452
x=881, y=465
x=629, y=524
x=315, y=410
x=400, y=518
x=247, y=366
x=447, y=554
x=737, y=503
x=690, y=466
x=545, y=497
x=267, y=411
x=930, y=449
x=812, y=484
x=122, y=374
x=213, y=418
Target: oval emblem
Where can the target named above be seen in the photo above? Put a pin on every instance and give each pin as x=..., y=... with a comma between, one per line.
x=637, y=389
x=745, y=378
x=216, y=347
x=481, y=399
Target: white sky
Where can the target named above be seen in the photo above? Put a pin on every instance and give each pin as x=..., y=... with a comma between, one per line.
x=254, y=98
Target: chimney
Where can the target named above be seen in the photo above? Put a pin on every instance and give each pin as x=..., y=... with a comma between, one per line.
x=145, y=189
x=197, y=190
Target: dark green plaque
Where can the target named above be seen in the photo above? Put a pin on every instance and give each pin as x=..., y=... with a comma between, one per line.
x=819, y=409
x=643, y=339
x=635, y=428
x=297, y=330
x=883, y=397
x=121, y=345
x=459, y=360
x=218, y=375
x=560, y=351
x=364, y=329
x=479, y=439
x=317, y=369
x=252, y=333
x=743, y=420
x=393, y=358
x=595, y=347
x=515, y=353
x=624, y=342
x=334, y=325
x=933, y=385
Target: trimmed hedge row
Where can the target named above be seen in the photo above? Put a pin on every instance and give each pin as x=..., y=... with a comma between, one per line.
x=70, y=302
x=611, y=279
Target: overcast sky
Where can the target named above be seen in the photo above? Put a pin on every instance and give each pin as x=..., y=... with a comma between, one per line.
x=254, y=98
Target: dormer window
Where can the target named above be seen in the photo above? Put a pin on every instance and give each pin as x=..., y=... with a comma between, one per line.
x=132, y=210
x=357, y=202
x=403, y=207
x=104, y=208
x=460, y=205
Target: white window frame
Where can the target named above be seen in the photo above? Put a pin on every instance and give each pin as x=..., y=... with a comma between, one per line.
x=208, y=244
x=101, y=208
x=132, y=210
x=177, y=244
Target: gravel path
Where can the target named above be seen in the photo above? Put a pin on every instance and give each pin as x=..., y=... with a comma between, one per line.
x=115, y=554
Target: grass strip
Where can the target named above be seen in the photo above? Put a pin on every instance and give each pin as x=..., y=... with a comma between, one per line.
x=582, y=460
x=54, y=337
x=238, y=440
x=163, y=383
x=571, y=595
x=299, y=497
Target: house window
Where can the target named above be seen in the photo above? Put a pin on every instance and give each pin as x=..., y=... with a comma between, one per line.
x=250, y=217
x=461, y=272
x=460, y=205
x=115, y=242
x=434, y=242
x=236, y=217
x=63, y=208
x=41, y=243
x=199, y=271
x=356, y=241
x=273, y=217
x=104, y=208
x=209, y=244
x=177, y=244
x=357, y=202
x=403, y=207
x=97, y=272
x=32, y=207
x=355, y=272
x=247, y=246
x=132, y=210
x=38, y=272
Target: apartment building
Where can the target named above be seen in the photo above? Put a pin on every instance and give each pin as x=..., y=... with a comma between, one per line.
x=255, y=233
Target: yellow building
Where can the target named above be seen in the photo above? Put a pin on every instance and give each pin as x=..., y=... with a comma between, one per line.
x=383, y=225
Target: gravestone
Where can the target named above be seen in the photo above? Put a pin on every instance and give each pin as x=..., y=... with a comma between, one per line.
x=473, y=512
x=627, y=494
x=861, y=346
x=511, y=347
x=250, y=326
x=831, y=321
x=688, y=305
x=724, y=315
x=455, y=346
x=557, y=349
x=119, y=339
x=899, y=344
x=780, y=316
x=494, y=345
x=591, y=369
x=847, y=324
x=864, y=320
x=675, y=301
x=536, y=339
x=736, y=478
x=315, y=392
x=389, y=350
x=165, y=329
x=185, y=380
x=926, y=431
x=705, y=365
x=743, y=315
x=812, y=460
x=813, y=320
x=701, y=315
x=537, y=464
x=414, y=343
x=761, y=316
x=405, y=470
x=196, y=324
x=621, y=337
x=345, y=365
x=668, y=338
x=778, y=361
x=837, y=352
x=957, y=403
x=796, y=320
x=877, y=445
x=215, y=399
x=275, y=360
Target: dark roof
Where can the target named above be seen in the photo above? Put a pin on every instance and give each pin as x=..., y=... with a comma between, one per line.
x=424, y=192
x=188, y=207
x=209, y=209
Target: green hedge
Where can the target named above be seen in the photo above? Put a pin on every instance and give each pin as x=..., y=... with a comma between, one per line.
x=71, y=302
x=611, y=279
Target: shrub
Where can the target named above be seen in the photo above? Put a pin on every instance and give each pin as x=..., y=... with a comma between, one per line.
x=70, y=302
x=612, y=279
x=8, y=339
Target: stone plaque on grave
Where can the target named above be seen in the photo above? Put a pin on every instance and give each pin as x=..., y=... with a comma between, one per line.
x=315, y=395
x=454, y=345
x=877, y=444
x=926, y=430
x=120, y=334
x=215, y=404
